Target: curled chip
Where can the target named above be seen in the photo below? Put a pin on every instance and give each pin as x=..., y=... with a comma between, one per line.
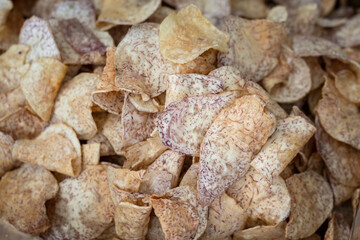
x=187, y=34
x=269, y=202
x=40, y=85
x=262, y=232
x=134, y=74
x=339, y=117
x=203, y=64
x=346, y=35
x=182, y=125
x=341, y=192
x=150, y=106
x=225, y=217
x=7, y=161
x=90, y=154
x=230, y=77
x=180, y=214
x=37, y=33
x=338, y=228
x=311, y=204
x=341, y=160
x=83, y=208
x=254, y=46
x=73, y=105
x=181, y=86
x=123, y=12
x=56, y=149
x=124, y=179
x=18, y=203
x=230, y=143
x=290, y=136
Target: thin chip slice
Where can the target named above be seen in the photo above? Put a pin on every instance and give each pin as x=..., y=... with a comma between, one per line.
x=203, y=64
x=230, y=77
x=311, y=203
x=249, y=8
x=262, y=233
x=187, y=34
x=290, y=136
x=37, y=33
x=338, y=228
x=155, y=231
x=18, y=203
x=156, y=182
x=90, y=154
x=230, y=143
x=160, y=14
x=11, y=101
x=346, y=35
x=124, y=179
x=134, y=74
x=56, y=149
x=150, y=106
x=182, y=125
x=190, y=177
x=73, y=105
x=83, y=208
x=253, y=47
x=341, y=192
x=7, y=162
x=122, y=12
x=40, y=85
x=11, y=232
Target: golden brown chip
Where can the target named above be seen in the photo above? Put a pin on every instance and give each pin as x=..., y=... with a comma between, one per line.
x=269, y=202
x=249, y=8
x=311, y=203
x=187, y=34
x=122, y=12
x=225, y=217
x=56, y=149
x=290, y=136
x=18, y=203
x=262, y=233
x=339, y=117
x=124, y=179
x=134, y=74
x=253, y=47
x=338, y=228
x=73, y=105
x=316, y=163
x=7, y=162
x=190, y=177
x=11, y=21
x=230, y=143
x=6, y=6
x=341, y=192
x=83, y=208
x=203, y=64
x=41, y=84
x=90, y=154
x=182, y=125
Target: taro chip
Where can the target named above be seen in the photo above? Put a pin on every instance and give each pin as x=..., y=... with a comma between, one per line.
x=263, y=200
x=142, y=154
x=187, y=34
x=10, y=25
x=83, y=208
x=18, y=203
x=11, y=232
x=37, y=33
x=124, y=179
x=11, y=101
x=311, y=204
x=160, y=14
x=225, y=217
x=355, y=200
x=230, y=143
x=254, y=46
x=316, y=163
x=277, y=14
x=156, y=182
x=73, y=105
x=84, y=11
x=341, y=160
x=338, y=228
x=113, y=130
x=7, y=161
x=313, y=100
x=182, y=125
x=262, y=232
x=180, y=214
x=181, y=86
x=150, y=106
x=230, y=76
x=190, y=177
x=203, y=64
x=341, y=192
x=56, y=149
x=155, y=231
x=318, y=74
x=40, y=85
x=134, y=74
x=90, y=154
x=123, y=12
x=339, y=117
x=290, y=136
x=346, y=35
x=249, y=8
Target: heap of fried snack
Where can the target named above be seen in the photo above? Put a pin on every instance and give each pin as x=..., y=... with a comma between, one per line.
x=181, y=119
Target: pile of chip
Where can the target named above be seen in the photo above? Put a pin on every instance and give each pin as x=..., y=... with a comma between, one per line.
x=181, y=119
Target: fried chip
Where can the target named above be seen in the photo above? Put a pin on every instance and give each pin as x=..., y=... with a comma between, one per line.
x=134, y=74
x=262, y=233
x=338, y=228
x=203, y=64
x=342, y=160
x=11, y=101
x=18, y=203
x=83, y=208
x=346, y=35
x=160, y=14
x=313, y=100
x=290, y=136
x=6, y=6
x=249, y=8
x=339, y=117
x=190, y=177
x=269, y=202
x=180, y=214
x=90, y=154
x=37, y=33
x=56, y=149
x=341, y=192
x=277, y=14
x=230, y=76
x=150, y=106
x=40, y=85
x=182, y=125
x=225, y=217
x=122, y=12
x=155, y=231
x=156, y=182
x=11, y=21
x=355, y=200
x=181, y=86
x=187, y=34
x=8, y=230
x=254, y=46
x=7, y=162
x=230, y=143
x=311, y=203
x=73, y=105
x=124, y=179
